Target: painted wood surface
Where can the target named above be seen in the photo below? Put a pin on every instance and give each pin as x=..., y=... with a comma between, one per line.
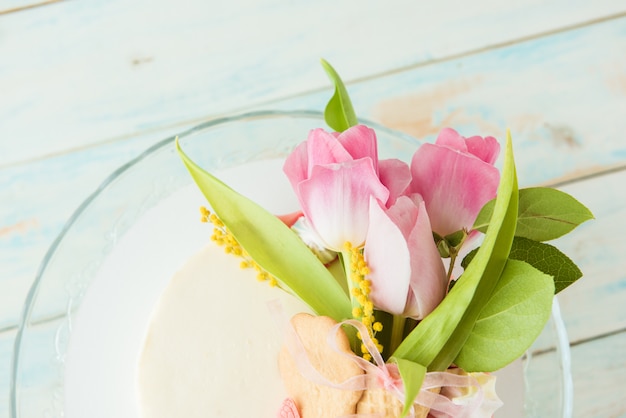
x=92, y=72
x=13, y=6
x=84, y=88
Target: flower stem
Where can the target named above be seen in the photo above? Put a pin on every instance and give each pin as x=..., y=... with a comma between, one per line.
x=453, y=255
x=345, y=257
x=345, y=262
x=397, y=332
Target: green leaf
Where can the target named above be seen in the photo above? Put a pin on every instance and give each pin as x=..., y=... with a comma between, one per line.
x=469, y=257
x=544, y=214
x=339, y=113
x=512, y=319
x=273, y=245
x=548, y=259
x=412, y=375
x=439, y=337
x=543, y=257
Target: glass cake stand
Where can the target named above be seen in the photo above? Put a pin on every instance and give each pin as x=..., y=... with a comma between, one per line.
x=81, y=329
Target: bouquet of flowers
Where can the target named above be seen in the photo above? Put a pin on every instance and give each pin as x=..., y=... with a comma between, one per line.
x=424, y=275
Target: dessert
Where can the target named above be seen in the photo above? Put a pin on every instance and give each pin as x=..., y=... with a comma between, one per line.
x=410, y=310
x=184, y=371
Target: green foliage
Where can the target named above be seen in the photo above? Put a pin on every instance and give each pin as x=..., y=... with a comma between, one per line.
x=544, y=214
x=544, y=257
x=511, y=320
x=273, y=245
x=412, y=375
x=339, y=113
x=438, y=339
x=548, y=259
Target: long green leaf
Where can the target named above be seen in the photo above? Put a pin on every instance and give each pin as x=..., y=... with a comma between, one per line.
x=544, y=214
x=511, y=320
x=339, y=113
x=438, y=339
x=273, y=245
x=412, y=375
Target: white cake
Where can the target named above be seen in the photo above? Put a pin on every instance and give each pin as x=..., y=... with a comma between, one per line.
x=212, y=346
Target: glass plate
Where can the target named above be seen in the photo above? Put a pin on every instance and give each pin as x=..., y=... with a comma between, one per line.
x=77, y=299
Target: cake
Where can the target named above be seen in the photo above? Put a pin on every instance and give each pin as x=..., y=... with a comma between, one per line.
x=199, y=357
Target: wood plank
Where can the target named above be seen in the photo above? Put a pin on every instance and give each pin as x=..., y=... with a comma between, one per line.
x=6, y=352
x=598, y=373
x=14, y=6
x=598, y=368
x=82, y=73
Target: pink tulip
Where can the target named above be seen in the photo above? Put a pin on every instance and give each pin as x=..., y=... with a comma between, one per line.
x=396, y=176
x=334, y=177
x=456, y=177
x=323, y=148
x=407, y=274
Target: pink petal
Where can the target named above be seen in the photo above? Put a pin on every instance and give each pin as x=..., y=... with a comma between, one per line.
x=396, y=176
x=454, y=186
x=290, y=218
x=296, y=165
x=323, y=148
x=388, y=258
x=360, y=142
x=487, y=149
x=403, y=214
x=288, y=409
x=335, y=200
x=428, y=280
x=450, y=138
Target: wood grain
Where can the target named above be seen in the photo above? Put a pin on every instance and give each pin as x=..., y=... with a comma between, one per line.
x=597, y=370
x=82, y=73
x=6, y=352
x=14, y=6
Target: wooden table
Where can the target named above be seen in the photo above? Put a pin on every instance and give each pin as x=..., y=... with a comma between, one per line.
x=86, y=86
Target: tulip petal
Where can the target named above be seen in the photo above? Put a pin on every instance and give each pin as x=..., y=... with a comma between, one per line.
x=454, y=186
x=360, y=142
x=396, y=176
x=428, y=280
x=323, y=148
x=335, y=200
x=404, y=214
x=487, y=149
x=290, y=218
x=296, y=165
x=388, y=258
x=450, y=138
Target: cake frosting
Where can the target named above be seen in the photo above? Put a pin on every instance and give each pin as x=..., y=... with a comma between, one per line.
x=212, y=345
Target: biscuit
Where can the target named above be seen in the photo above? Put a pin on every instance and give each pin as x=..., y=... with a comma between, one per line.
x=315, y=400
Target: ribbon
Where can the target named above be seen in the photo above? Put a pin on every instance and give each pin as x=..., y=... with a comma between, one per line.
x=379, y=374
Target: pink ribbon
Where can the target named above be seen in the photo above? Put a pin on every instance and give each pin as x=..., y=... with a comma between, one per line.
x=378, y=374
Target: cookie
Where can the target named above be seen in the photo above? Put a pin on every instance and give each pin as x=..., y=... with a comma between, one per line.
x=317, y=400
x=381, y=403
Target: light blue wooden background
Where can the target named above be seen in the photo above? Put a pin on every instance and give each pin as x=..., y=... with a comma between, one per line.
x=86, y=86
